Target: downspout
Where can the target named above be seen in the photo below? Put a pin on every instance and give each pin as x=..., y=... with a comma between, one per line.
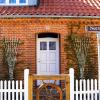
x=98, y=44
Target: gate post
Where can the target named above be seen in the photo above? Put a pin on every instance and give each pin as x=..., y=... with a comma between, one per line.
x=26, y=75
x=71, y=73
x=67, y=79
x=30, y=87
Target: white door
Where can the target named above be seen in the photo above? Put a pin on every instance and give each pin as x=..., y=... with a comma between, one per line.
x=47, y=56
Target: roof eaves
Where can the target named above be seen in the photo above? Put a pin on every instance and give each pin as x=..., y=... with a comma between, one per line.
x=45, y=16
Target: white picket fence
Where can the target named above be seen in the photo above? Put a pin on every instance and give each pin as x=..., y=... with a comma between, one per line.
x=79, y=89
x=83, y=89
x=86, y=90
x=14, y=90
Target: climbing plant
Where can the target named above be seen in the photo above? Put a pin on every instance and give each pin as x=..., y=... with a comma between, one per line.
x=80, y=46
x=78, y=49
x=10, y=48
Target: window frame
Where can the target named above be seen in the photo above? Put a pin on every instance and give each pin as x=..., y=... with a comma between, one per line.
x=7, y=3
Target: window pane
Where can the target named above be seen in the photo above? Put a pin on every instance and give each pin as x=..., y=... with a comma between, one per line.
x=22, y=1
x=43, y=45
x=12, y=1
x=52, y=45
x=2, y=1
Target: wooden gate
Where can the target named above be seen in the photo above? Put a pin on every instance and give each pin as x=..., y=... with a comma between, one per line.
x=64, y=77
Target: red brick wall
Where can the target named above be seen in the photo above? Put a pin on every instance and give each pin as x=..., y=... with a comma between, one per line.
x=26, y=29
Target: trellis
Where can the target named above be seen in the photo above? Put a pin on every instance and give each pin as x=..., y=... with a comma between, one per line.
x=10, y=47
x=81, y=47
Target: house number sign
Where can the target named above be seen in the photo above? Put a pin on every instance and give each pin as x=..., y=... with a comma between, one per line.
x=93, y=28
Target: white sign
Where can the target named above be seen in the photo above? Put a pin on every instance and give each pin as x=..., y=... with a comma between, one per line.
x=93, y=28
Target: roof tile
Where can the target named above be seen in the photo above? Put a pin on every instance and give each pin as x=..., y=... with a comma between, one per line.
x=57, y=7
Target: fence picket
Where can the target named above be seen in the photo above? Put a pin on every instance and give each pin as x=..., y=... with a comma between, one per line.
x=21, y=89
x=5, y=87
x=13, y=90
x=17, y=90
x=92, y=89
x=84, y=89
x=88, y=89
x=9, y=87
x=1, y=87
x=76, y=89
x=80, y=89
x=95, y=89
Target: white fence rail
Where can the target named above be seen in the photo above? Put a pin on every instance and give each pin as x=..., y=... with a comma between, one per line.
x=83, y=89
x=14, y=90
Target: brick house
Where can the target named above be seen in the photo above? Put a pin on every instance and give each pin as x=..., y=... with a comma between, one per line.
x=43, y=25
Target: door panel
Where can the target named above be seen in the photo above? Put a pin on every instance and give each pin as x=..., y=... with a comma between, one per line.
x=44, y=68
x=43, y=57
x=52, y=68
x=52, y=56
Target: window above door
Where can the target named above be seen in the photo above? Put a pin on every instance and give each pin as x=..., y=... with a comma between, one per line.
x=48, y=35
x=18, y=2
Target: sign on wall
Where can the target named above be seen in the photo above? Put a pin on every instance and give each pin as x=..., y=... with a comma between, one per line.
x=93, y=28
